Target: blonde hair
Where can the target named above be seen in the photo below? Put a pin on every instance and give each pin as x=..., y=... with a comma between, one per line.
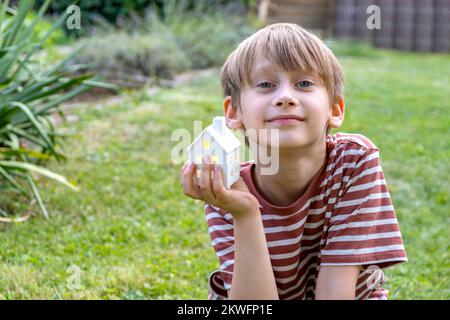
x=289, y=47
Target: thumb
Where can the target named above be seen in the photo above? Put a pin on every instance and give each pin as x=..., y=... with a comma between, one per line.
x=240, y=185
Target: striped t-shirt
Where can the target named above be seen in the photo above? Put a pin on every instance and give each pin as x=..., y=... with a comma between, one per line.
x=345, y=217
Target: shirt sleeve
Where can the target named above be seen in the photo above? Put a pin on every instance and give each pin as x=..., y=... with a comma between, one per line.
x=220, y=228
x=363, y=228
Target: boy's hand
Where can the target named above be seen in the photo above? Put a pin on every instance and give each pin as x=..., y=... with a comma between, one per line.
x=238, y=200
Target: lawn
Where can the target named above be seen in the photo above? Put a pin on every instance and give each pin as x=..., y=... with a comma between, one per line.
x=130, y=233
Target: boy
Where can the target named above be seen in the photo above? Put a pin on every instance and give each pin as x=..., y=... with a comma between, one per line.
x=323, y=225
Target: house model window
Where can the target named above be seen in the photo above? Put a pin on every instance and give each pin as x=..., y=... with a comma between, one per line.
x=222, y=146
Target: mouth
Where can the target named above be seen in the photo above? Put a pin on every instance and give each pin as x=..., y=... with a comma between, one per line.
x=285, y=119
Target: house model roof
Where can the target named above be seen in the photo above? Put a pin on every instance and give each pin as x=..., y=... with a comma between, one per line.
x=222, y=135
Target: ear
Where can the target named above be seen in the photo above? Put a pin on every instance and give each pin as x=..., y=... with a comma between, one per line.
x=337, y=111
x=232, y=114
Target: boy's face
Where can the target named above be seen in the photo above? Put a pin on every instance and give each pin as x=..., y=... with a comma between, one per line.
x=274, y=92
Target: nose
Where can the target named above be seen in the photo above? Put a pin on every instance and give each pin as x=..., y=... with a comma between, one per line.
x=285, y=99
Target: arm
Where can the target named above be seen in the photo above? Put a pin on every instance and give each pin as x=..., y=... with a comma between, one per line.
x=337, y=283
x=252, y=271
x=253, y=275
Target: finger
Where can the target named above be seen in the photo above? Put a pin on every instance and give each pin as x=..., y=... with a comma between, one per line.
x=195, y=178
x=205, y=180
x=239, y=185
x=182, y=171
x=218, y=187
x=189, y=188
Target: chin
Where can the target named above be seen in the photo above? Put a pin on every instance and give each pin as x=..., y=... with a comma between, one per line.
x=286, y=139
x=292, y=145
x=289, y=143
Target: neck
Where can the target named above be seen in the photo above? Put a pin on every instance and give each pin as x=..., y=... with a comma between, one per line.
x=296, y=169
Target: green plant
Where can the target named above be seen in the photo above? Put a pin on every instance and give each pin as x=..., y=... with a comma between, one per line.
x=206, y=33
x=168, y=40
x=116, y=11
x=42, y=26
x=122, y=57
x=29, y=95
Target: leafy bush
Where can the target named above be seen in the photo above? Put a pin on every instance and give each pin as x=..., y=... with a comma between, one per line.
x=43, y=26
x=29, y=95
x=115, y=11
x=161, y=47
x=122, y=57
x=207, y=34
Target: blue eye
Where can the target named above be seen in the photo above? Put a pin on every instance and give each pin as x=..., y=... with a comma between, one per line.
x=265, y=85
x=305, y=84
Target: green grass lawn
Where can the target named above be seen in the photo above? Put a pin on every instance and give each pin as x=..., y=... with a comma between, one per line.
x=133, y=233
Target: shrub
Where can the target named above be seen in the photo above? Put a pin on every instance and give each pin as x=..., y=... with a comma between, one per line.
x=206, y=34
x=30, y=94
x=122, y=57
x=115, y=11
x=159, y=47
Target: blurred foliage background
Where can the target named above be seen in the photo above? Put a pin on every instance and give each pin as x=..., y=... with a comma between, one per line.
x=129, y=228
x=116, y=12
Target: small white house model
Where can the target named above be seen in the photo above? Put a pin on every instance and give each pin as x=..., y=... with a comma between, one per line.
x=222, y=146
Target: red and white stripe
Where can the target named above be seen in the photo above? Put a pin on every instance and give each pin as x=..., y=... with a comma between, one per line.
x=346, y=219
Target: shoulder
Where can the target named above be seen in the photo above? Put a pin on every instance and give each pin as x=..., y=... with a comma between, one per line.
x=350, y=146
x=349, y=152
x=351, y=140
